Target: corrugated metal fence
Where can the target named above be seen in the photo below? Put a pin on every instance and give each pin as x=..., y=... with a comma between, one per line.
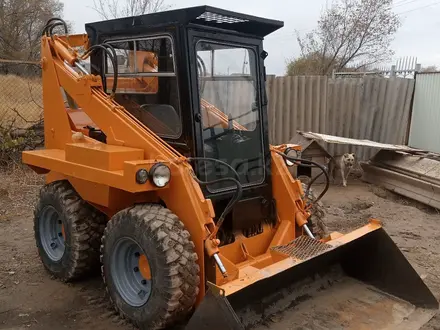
x=370, y=108
x=424, y=132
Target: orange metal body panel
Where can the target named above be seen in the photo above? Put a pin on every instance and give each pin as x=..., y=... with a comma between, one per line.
x=76, y=40
x=102, y=156
x=104, y=175
x=247, y=255
x=108, y=200
x=124, y=179
x=254, y=272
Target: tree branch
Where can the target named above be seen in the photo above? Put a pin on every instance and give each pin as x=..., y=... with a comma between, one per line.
x=126, y=8
x=361, y=43
x=348, y=30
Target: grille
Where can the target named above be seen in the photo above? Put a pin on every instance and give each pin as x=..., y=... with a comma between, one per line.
x=303, y=248
x=217, y=18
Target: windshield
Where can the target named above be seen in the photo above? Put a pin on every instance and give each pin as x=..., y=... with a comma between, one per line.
x=229, y=98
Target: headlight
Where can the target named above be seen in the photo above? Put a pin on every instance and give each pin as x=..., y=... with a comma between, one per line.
x=142, y=176
x=291, y=153
x=160, y=175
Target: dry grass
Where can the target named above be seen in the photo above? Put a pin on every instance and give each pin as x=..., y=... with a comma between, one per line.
x=20, y=101
x=19, y=188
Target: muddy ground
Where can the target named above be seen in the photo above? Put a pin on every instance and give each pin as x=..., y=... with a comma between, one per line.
x=29, y=298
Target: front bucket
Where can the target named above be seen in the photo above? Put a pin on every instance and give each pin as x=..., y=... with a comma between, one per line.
x=366, y=283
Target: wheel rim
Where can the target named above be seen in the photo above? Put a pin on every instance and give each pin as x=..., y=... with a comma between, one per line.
x=52, y=233
x=130, y=272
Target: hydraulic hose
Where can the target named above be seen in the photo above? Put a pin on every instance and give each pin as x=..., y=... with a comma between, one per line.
x=213, y=160
x=309, y=163
x=238, y=193
x=312, y=182
x=111, y=53
x=108, y=49
x=52, y=23
x=233, y=200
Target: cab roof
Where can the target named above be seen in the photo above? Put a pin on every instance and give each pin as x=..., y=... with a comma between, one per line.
x=204, y=16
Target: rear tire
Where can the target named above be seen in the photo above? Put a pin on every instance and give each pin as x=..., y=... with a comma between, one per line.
x=166, y=293
x=67, y=232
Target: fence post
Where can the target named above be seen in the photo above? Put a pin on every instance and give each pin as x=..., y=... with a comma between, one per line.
x=393, y=71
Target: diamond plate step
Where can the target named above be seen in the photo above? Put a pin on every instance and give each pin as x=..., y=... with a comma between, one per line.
x=303, y=248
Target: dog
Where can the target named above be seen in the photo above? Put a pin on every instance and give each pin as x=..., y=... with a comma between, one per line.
x=344, y=164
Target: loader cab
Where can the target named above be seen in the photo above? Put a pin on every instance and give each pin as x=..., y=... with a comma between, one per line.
x=196, y=77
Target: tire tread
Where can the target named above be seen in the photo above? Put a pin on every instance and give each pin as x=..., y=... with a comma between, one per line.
x=87, y=225
x=174, y=243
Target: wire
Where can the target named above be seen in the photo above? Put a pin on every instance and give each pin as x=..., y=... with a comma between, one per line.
x=294, y=34
x=403, y=3
x=396, y=5
x=418, y=8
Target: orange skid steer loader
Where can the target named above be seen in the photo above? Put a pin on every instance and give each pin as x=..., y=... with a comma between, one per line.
x=167, y=181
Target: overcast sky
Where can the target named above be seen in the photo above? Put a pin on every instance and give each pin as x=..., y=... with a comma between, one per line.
x=418, y=36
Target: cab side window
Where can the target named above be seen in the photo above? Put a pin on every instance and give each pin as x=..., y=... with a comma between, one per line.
x=147, y=83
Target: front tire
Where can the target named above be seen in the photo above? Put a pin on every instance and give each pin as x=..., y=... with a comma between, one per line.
x=318, y=226
x=67, y=232
x=150, y=266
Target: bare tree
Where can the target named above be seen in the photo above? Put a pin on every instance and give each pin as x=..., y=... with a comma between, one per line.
x=109, y=9
x=430, y=68
x=351, y=31
x=21, y=24
x=311, y=64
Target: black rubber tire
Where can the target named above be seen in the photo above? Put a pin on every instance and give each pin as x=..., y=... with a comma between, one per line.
x=172, y=259
x=83, y=226
x=316, y=220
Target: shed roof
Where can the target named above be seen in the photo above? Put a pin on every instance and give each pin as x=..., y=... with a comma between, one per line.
x=306, y=143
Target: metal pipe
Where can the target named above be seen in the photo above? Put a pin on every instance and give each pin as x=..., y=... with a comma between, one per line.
x=308, y=232
x=144, y=74
x=220, y=265
x=81, y=68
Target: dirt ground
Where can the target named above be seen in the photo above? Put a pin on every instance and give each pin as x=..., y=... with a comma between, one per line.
x=29, y=298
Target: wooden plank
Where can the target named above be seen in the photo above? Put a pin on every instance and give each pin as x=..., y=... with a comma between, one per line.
x=419, y=190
